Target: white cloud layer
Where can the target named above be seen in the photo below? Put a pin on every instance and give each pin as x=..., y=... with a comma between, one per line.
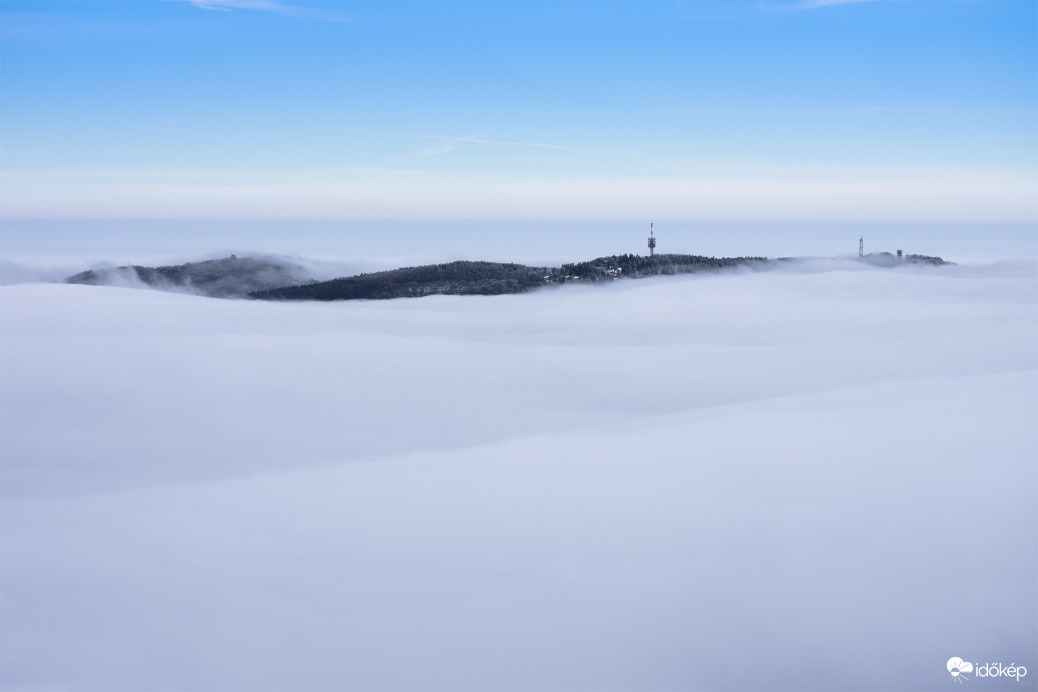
x=737, y=482
x=906, y=193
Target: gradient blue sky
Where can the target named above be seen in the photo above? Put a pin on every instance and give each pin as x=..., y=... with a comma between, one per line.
x=893, y=110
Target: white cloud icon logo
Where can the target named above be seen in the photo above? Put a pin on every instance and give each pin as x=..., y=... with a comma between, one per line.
x=956, y=666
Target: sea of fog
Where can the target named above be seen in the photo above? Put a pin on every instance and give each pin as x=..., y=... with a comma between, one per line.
x=47, y=250
x=821, y=477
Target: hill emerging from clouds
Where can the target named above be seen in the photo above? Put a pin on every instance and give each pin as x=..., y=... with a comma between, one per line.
x=267, y=278
x=495, y=278
x=229, y=277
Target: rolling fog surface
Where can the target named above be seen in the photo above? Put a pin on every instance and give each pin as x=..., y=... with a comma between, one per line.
x=793, y=479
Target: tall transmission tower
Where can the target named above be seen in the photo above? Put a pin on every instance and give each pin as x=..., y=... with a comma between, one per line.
x=652, y=241
x=861, y=246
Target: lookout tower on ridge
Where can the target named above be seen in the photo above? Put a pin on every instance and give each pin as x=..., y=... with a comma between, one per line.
x=652, y=241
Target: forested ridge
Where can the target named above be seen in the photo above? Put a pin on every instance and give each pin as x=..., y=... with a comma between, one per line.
x=494, y=278
x=284, y=279
x=455, y=278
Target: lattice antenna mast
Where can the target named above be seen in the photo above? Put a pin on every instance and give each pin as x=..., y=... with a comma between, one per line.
x=652, y=241
x=861, y=246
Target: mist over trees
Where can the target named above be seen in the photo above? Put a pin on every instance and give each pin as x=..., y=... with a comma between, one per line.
x=886, y=259
x=635, y=266
x=283, y=279
x=494, y=278
x=229, y=277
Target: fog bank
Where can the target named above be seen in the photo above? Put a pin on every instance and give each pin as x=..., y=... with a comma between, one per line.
x=750, y=481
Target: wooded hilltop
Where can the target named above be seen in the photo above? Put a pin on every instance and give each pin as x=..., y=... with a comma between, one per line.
x=495, y=278
x=284, y=279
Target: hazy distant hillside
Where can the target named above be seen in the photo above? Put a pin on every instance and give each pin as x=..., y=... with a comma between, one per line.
x=230, y=277
x=887, y=259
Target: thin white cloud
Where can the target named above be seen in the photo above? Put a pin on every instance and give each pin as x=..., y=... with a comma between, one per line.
x=229, y=5
x=270, y=6
x=450, y=143
x=537, y=145
x=811, y=4
x=438, y=149
x=447, y=144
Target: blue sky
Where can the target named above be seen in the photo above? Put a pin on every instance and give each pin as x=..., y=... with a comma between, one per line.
x=898, y=110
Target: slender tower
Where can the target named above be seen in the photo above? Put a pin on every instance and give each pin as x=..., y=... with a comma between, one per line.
x=861, y=246
x=652, y=241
